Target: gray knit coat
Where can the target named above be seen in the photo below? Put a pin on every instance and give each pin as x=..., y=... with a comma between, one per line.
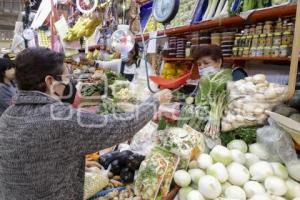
x=43, y=144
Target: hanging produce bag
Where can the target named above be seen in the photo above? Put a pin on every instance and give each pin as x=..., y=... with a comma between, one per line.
x=249, y=99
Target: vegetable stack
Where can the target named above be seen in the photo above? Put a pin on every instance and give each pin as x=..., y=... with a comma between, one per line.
x=205, y=115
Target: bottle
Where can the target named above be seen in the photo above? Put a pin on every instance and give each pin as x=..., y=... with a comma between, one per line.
x=188, y=50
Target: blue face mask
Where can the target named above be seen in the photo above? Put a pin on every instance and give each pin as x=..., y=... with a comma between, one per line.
x=208, y=70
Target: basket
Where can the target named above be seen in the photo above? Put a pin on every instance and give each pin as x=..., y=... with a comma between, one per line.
x=170, y=84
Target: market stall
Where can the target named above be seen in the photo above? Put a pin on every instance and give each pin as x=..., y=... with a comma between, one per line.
x=223, y=140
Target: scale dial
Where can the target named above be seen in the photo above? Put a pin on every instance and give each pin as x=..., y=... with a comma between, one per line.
x=164, y=11
x=28, y=34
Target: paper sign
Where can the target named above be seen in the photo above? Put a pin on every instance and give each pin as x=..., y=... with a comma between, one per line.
x=152, y=42
x=70, y=48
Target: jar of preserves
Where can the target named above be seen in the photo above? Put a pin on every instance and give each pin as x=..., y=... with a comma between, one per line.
x=252, y=30
x=246, y=51
x=247, y=30
x=277, y=39
x=284, y=51
x=259, y=28
x=287, y=38
x=237, y=40
x=262, y=40
x=241, y=49
x=235, y=51
x=260, y=51
x=269, y=40
x=275, y=51
x=278, y=26
x=267, y=51
x=216, y=39
x=268, y=27
x=248, y=41
x=253, y=51
x=243, y=41
x=290, y=27
x=255, y=41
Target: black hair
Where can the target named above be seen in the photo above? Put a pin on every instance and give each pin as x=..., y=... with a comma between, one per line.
x=213, y=51
x=34, y=64
x=5, y=64
x=136, y=50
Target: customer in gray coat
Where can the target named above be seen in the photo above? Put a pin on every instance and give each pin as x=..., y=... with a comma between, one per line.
x=7, y=86
x=43, y=142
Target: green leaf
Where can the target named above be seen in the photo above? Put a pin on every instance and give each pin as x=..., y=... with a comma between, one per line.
x=162, y=124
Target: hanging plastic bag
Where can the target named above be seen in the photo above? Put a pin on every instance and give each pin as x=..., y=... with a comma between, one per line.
x=277, y=142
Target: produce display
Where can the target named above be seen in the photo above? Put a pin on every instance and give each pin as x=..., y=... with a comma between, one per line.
x=84, y=27
x=237, y=171
x=185, y=13
x=249, y=99
x=209, y=9
x=150, y=26
x=172, y=71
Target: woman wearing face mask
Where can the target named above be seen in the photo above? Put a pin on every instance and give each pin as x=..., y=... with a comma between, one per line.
x=7, y=86
x=44, y=141
x=210, y=60
x=128, y=66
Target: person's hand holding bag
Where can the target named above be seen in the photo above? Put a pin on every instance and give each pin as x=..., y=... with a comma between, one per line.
x=163, y=96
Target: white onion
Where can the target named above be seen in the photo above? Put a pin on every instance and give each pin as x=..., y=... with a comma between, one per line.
x=194, y=195
x=183, y=192
x=253, y=188
x=225, y=186
x=251, y=159
x=238, y=156
x=210, y=187
x=193, y=165
x=273, y=197
x=221, y=154
x=182, y=178
x=260, y=171
x=239, y=145
x=293, y=189
x=204, y=161
x=218, y=171
x=259, y=150
x=235, y=192
x=280, y=170
x=275, y=185
x=238, y=174
x=294, y=170
x=196, y=174
x=261, y=197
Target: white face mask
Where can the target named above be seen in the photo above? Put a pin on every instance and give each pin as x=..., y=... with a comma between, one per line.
x=208, y=70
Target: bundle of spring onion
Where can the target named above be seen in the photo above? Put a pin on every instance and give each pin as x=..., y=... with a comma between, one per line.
x=210, y=102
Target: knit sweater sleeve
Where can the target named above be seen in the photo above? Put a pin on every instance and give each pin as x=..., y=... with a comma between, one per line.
x=95, y=132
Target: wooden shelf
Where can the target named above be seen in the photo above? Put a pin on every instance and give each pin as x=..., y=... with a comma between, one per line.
x=256, y=16
x=260, y=58
x=236, y=58
x=177, y=59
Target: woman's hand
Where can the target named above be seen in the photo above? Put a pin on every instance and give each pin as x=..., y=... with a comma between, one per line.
x=163, y=96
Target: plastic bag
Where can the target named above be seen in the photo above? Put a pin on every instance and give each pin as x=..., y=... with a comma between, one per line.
x=144, y=141
x=277, y=142
x=248, y=102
